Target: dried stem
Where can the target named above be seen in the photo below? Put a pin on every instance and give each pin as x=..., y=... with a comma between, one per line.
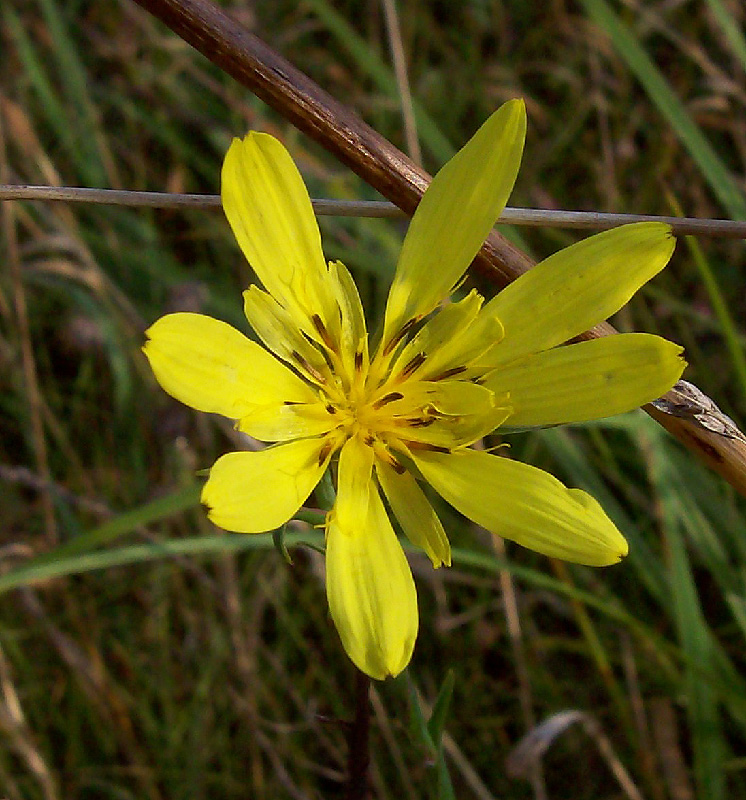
x=338, y=129
x=28, y=362
x=393, y=31
x=323, y=207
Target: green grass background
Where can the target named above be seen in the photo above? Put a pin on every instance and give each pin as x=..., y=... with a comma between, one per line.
x=145, y=655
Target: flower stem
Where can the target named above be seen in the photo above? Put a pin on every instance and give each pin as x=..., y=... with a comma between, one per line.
x=358, y=757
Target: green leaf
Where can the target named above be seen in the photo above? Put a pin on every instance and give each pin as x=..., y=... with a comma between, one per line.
x=437, y=720
x=44, y=569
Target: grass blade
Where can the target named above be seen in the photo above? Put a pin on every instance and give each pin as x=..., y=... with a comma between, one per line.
x=658, y=89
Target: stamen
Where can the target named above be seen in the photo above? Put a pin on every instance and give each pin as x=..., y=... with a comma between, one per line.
x=420, y=422
x=369, y=439
x=413, y=365
x=358, y=361
x=331, y=409
x=397, y=466
x=298, y=358
x=325, y=451
x=449, y=373
x=386, y=399
x=383, y=452
x=431, y=448
x=405, y=329
x=318, y=323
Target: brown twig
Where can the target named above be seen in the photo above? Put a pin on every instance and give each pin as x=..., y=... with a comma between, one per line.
x=315, y=112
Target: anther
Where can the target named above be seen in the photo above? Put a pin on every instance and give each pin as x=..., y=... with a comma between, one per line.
x=449, y=373
x=331, y=409
x=369, y=439
x=358, y=361
x=325, y=451
x=413, y=365
x=318, y=323
x=431, y=448
x=405, y=329
x=397, y=466
x=421, y=422
x=386, y=399
x=298, y=358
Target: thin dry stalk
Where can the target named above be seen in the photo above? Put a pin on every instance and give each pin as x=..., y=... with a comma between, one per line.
x=393, y=31
x=99, y=689
x=534, y=745
x=384, y=728
x=645, y=751
x=673, y=762
x=28, y=362
x=525, y=696
x=378, y=209
x=13, y=724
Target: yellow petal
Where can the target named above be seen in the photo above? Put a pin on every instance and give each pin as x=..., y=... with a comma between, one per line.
x=445, y=413
x=416, y=516
x=588, y=380
x=455, y=216
x=280, y=422
x=251, y=492
x=353, y=483
x=576, y=288
x=451, y=339
x=270, y=212
x=524, y=504
x=212, y=367
x=354, y=334
x=372, y=597
x=453, y=397
x=279, y=330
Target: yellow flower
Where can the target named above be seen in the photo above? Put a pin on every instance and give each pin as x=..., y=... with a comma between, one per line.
x=441, y=378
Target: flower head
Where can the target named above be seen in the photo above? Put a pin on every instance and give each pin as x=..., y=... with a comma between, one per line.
x=442, y=377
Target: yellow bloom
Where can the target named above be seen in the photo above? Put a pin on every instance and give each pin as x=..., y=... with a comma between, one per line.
x=442, y=377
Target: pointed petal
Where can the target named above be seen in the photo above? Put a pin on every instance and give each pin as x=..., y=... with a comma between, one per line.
x=588, y=380
x=453, y=397
x=270, y=213
x=451, y=433
x=416, y=516
x=353, y=483
x=212, y=367
x=526, y=505
x=285, y=422
x=354, y=334
x=577, y=288
x=252, y=492
x=447, y=414
x=279, y=331
x=372, y=597
x=455, y=216
x=451, y=339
